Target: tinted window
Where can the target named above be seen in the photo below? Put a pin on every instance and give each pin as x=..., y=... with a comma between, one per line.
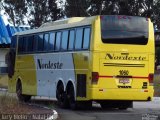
x=79, y=36
x=40, y=42
x=124, y=29
x=20, y=44
x=86, y=39
x=35, y=42
x=71, y=40
x=30, y=43
x=24, y=44
x=51, y=41
x=46, y=37
x=64, y=40
x=58, y=41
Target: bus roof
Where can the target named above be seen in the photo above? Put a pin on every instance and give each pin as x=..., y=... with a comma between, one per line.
x=61, y=24
x=63, y=21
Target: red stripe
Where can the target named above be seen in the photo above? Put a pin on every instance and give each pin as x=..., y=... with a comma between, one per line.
x=105, y=76
x=136, y=77
x=140, y=77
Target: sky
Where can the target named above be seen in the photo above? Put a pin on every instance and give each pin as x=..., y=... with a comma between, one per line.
x=4, y=17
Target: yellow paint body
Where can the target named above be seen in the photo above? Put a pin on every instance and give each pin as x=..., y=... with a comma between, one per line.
x=93, y=60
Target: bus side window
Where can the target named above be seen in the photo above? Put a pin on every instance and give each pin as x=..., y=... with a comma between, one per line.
x=30, y=44
x=58, y=41
x=46, y=38
x=20, y=44
x=40, y=43
x=64, y=40
x=71, y=40
x=35, y=43
x=51, y=41
x=79, y=37
x=24, y=45
x=86, y=40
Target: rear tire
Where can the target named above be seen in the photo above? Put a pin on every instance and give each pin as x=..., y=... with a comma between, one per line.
x=21, y=97
x=106, y=105
x=125, y=104
x=71, y=97
x=87, y=105
x=61, y=96
x=122, y=105
x=122, y=108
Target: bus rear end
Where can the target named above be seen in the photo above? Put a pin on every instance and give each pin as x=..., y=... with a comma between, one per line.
x=123, y=61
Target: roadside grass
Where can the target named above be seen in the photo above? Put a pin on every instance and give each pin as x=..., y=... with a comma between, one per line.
x=8, y=104
x=3, y=81
x=157, y=85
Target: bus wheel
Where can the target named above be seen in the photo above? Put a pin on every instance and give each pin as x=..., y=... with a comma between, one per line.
x=21, y=97
x=104, y=105
x=71, y=97
x=122, y=108
x=61, y=96
x=125, y=104
x=87, y=105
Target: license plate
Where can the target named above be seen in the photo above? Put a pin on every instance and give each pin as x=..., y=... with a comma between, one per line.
x=124, y=80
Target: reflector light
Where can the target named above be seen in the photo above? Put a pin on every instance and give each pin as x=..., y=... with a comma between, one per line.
x=95, y=77
x=150, y=78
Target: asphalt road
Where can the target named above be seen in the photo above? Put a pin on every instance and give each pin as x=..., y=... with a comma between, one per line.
x=140, y=111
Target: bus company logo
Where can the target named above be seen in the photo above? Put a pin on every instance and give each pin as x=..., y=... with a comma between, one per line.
x=49, y=65
x=124, y=56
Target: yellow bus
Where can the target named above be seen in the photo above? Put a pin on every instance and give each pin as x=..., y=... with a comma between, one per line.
x=108, y=59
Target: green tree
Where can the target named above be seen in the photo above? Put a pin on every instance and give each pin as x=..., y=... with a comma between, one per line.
x=146, y=8
x=16, y=9
x=156, y=13
x=35, y=12
x=76, y=8
x=41, y=11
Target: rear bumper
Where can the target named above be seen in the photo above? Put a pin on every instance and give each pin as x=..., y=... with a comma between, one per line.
x=121, y=94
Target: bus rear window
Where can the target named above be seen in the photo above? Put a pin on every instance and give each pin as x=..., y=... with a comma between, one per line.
x=124, y=29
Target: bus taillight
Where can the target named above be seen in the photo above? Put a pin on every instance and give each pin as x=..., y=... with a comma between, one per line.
x=95, y=77
x=150, y=78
